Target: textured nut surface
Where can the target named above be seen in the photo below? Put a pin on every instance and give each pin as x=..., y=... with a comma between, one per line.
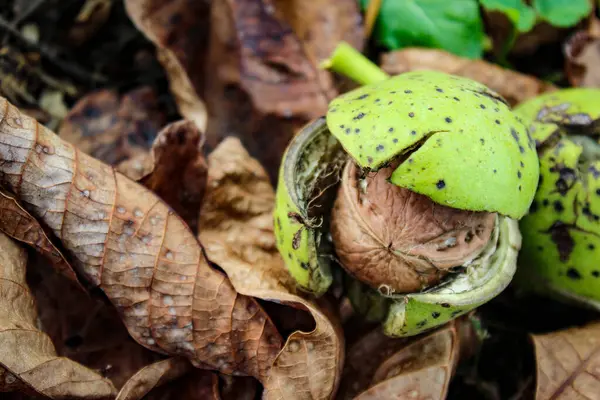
x=399, y=241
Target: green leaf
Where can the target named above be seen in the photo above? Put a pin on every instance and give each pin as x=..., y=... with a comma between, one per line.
x=452, y=25
x=563, y=13
x=519, y=13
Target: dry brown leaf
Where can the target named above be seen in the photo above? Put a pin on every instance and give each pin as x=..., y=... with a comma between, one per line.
x=260, y=84
x=179, y=29
x=236, y=228
x=321, y=25
x=179, y=173
x=582, y=52
x=28, y=360
x=20, y=225
x=152, y=376
x=420, y=368
x=126, y=241
x=362, y=360
x=568, y=364
x=114, y=129
x=515, y=87
x=259, y=80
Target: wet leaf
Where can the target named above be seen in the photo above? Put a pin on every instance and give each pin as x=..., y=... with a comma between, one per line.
x=515, y=87
x=582, y=52
x=28, y=360
x=127, y=242
x=179, y=173
x=568, y=363
x=17, y=223
x=179, y=29
x=114, y=129
x=236, y=228
x=261, y=85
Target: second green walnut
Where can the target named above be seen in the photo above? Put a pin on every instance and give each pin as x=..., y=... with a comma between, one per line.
x=413, y=185
x=561, y=234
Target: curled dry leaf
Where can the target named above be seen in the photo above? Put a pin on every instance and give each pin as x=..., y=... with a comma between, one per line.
x=179, y=29
x=568, y=363
x=179, y=173
x=114, y=129
x=379, y=367
x=236, y=228
x=123, y=239
x=17, y=223
x=28, y=360
x=582, y=52
x=515, y=87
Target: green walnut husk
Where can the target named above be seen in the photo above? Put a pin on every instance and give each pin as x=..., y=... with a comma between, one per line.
x=561, y=233
x=448, y=138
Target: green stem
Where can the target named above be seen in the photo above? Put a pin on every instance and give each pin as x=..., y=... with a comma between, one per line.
x=346, y=60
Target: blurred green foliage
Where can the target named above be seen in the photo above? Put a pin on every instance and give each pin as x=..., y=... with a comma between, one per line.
x=456, y=25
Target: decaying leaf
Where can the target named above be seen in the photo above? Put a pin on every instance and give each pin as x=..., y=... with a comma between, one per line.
x=236, y=228
x=515, y=87
x=152, y=376
x=379, y=367
x=20, y=225
x=179, y=29
x=582, y=52
x=127, y=242
x=568, y=363
x=114, y=129
x=28, y=360
x=260, y=84
x=179, y=173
